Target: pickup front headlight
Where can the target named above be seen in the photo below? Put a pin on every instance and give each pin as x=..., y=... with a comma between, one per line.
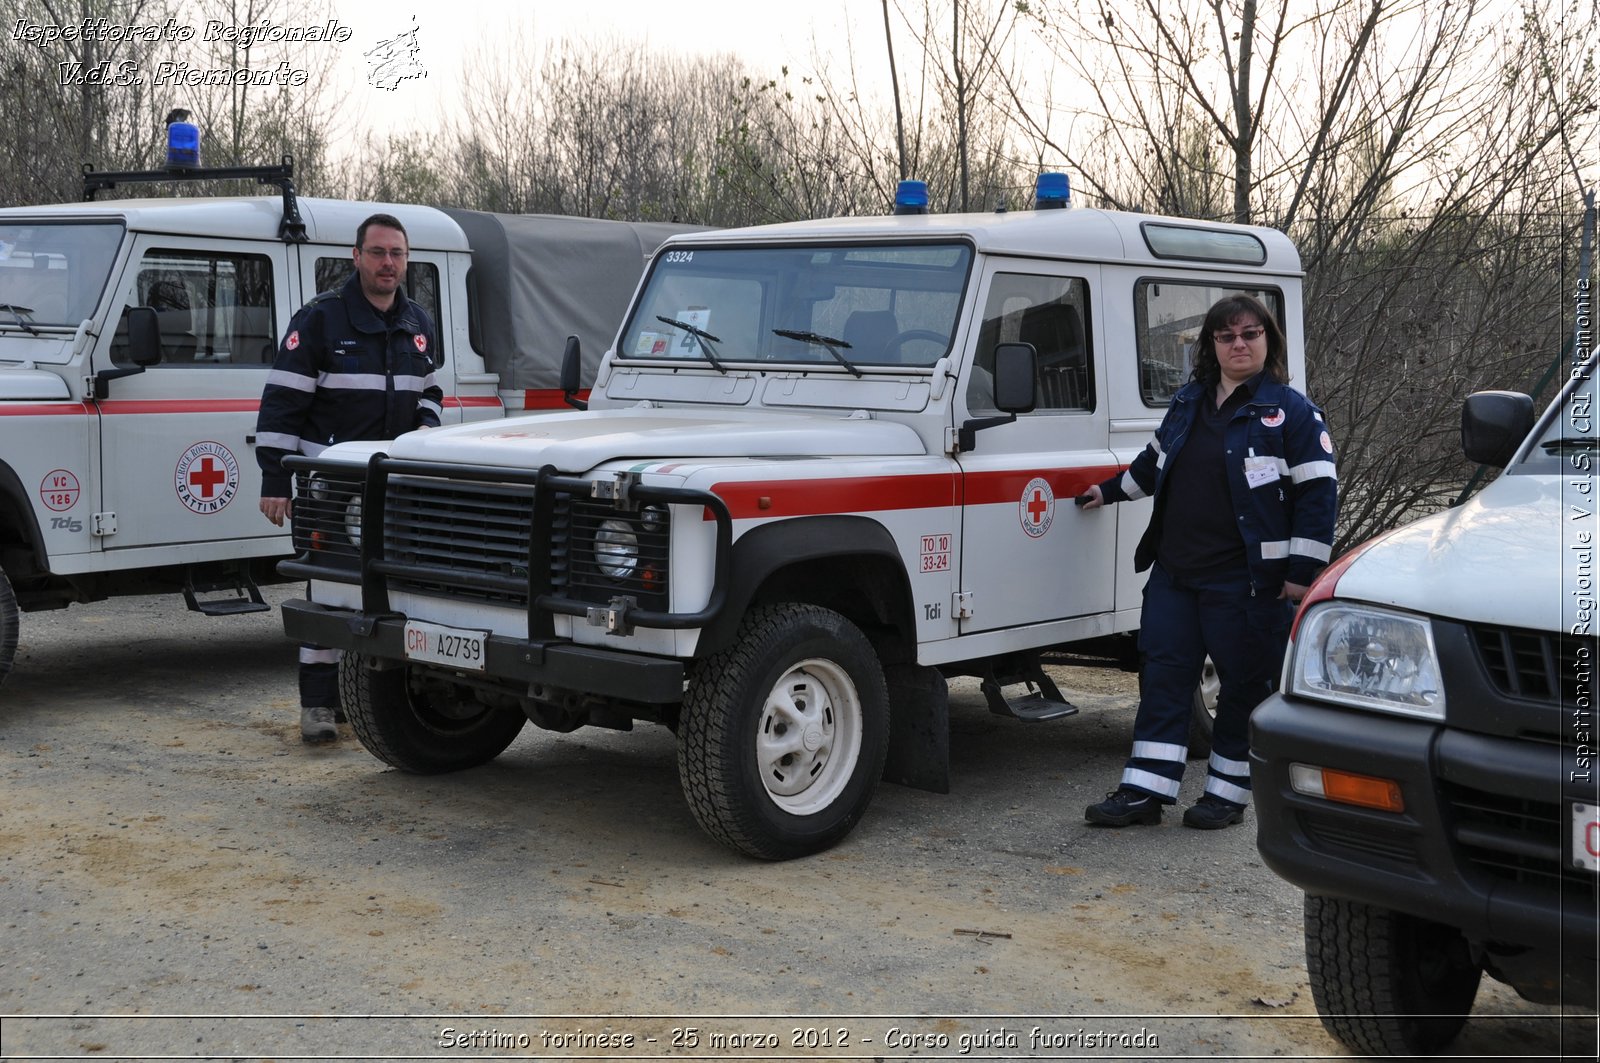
x=1368, y=658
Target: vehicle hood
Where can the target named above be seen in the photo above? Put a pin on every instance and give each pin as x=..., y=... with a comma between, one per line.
x=577, y=442
x=1501, y=558
x=35, y=384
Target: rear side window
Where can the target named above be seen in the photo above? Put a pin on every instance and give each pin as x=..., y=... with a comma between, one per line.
x=1052, y=314
x=1167, y=318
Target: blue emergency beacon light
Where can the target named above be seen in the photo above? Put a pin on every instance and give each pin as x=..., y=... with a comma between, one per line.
x=1051, y=192
x=183, y=141
x=911, y=197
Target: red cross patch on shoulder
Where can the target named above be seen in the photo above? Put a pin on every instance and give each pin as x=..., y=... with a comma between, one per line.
x=422, y=344
x=293, y=341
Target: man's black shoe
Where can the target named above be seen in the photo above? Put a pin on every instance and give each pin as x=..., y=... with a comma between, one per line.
x=1123, y=807
x=1212, y=813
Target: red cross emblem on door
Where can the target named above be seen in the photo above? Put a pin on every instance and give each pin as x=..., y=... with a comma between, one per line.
x=207, y=477
x=1038, y=507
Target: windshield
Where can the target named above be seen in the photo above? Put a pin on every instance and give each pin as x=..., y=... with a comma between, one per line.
x=846, y=307
x=52, y=273
x=1567, y=441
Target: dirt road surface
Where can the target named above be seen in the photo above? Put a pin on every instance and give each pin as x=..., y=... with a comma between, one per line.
x=181, y=877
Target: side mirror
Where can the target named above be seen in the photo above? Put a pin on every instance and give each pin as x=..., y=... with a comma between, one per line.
x=1493, y=424
x=572, y=374
x=144, y=336
x=1015, y=377
x=1015, y=391
x=142, y=331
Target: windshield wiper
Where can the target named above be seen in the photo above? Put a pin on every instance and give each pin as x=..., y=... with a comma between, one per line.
x=1566, y=443
x=701, y=336
x=828, y=343
x=17, y=312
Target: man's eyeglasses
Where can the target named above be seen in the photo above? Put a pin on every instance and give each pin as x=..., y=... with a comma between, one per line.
x=380, y=253
x=1249, y=335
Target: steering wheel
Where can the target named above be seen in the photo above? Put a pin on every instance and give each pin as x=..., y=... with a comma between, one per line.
x=892, y=347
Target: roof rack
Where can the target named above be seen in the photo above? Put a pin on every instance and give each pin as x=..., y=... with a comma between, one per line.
x=291, y=230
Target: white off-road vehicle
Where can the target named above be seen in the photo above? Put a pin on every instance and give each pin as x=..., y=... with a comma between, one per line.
x=136, y=337
x=824, y=466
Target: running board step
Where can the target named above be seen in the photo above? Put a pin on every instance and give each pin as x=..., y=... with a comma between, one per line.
x=243, y=597
x=1040, y=701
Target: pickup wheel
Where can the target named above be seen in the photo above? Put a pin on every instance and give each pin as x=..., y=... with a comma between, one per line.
x=783, y=735
x=1386, y=983
x=9, y=626
x=419, y=725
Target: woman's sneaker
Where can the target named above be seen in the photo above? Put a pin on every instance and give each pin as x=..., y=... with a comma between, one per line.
x=1123, y=807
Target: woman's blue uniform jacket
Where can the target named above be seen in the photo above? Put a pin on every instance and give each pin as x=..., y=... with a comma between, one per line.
x=1281, y=476
x=341, y=373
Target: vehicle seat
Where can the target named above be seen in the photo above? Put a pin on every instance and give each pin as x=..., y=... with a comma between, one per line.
x=868, y=333
x=1057, y=335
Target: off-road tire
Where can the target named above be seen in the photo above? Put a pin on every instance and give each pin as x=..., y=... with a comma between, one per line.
x=1203, y=718
x=416, y=730
x=1387, y=984
x=795, y=676
x=10, y=625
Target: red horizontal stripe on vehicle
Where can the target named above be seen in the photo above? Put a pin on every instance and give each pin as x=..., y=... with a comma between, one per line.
x=989, y=488
x=549, y=398
x=120, y=406
x=43, y=409
x=462, y=401
x=854, y=494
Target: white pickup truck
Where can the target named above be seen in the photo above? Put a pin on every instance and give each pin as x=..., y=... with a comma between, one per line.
x=136, y=337
x=825, y=465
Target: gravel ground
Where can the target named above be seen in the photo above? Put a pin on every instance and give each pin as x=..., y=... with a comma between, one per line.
x=181, y=877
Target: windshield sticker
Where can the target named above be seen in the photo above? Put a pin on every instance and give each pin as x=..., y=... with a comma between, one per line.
x=698, y=317
x=1038, y=507
x=650, y=343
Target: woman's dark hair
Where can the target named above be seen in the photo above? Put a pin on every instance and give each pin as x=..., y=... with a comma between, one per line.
x=1221, y=314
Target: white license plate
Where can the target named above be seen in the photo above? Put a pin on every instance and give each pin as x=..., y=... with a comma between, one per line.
x=1586, y=836
x=451, y=646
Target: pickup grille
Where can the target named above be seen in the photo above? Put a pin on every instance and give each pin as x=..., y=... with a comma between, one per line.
x=1536, y=665
x=1517, y=840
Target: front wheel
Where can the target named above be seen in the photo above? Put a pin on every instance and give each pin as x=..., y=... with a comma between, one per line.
x=420, y=724
x=10, y=625
x=1385, y=983
x=783, y=735
x=1203, y=717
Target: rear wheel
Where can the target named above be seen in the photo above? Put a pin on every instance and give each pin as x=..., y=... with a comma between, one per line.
x=783, y=735
x=10, y=625
x=1386, y=983
x=1203, y=719
x=420, y=724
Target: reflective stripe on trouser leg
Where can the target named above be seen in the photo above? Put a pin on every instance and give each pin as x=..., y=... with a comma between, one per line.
x=1244, y=634
x=1170, y=636
x=319, y=677
x=1228, y=779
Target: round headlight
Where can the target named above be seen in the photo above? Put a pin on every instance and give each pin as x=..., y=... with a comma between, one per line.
x=352, y=519
x=616, y=549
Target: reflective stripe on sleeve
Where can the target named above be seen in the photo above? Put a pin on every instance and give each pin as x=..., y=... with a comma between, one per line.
x=278, y=441
x=429, y=404
x=1312, y=470
x=1131, y=488
x=1308, y=548
x=293, y=381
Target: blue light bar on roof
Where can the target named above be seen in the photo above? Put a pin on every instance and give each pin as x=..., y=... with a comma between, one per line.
x=183, y=142
x=911, y=197
x=1051, y=191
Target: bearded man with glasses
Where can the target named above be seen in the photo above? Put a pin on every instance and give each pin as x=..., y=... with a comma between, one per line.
x=357, y=363
x=1246, y=495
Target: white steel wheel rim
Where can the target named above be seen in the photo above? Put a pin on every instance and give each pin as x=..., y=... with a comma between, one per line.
x=809, y=737
x=1210, y=687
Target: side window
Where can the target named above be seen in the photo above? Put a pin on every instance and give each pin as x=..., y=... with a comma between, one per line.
x=1167, y=317
x=1052, y=313
x=422, y=281
x=214, y=308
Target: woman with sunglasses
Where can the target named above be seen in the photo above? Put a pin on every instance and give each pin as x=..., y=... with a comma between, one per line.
x=1245, y=487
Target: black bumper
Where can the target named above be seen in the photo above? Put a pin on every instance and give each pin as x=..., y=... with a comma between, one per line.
x=530, y=662
x=1484, y=843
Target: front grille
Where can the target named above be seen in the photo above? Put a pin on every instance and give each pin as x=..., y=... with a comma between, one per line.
x=475, y=529
x=326, y=517
x=1536, y=665
x=1514, y=839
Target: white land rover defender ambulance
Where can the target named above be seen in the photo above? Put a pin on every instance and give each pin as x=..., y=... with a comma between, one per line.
x=136, y=337
x=826, y=465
